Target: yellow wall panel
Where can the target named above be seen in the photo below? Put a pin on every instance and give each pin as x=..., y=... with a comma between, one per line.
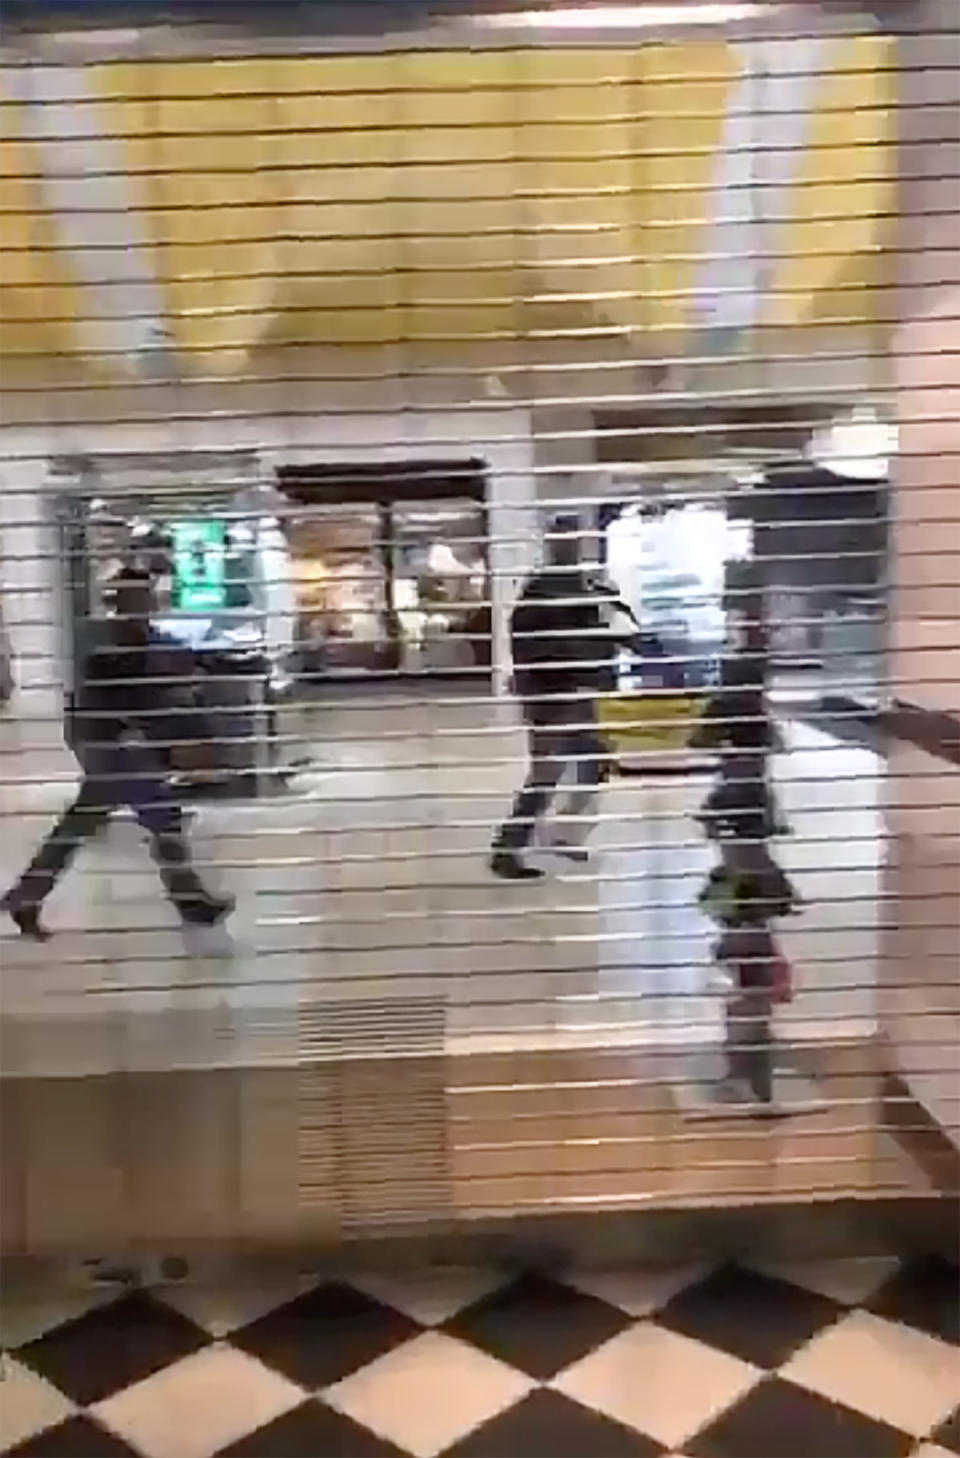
x=575, y=178
x=683, y=99
x=845, y=190
x=211, y=196
x=38, y=295
x=359, y=199
x=463, y=204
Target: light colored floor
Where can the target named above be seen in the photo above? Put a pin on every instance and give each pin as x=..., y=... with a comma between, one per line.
x=367, y=886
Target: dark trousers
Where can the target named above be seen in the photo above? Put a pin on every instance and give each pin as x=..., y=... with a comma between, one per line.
x=113, y=776
x=563, y=738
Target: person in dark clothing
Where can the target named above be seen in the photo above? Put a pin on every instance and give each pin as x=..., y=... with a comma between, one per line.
x=7, y=682
x=563, y=657
x=136, y=699
x=737, y=722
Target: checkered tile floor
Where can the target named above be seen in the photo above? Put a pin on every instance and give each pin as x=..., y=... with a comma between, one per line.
x=844, y=1358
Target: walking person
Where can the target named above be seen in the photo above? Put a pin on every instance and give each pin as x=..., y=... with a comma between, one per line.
x=737, y=722
x=7, y=680
x=564, y=652
x=137, y=697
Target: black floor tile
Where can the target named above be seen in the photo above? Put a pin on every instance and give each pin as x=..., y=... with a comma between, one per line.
x=325, y=1334
x=312, y=1430
x=758, y=1318
x=778, y=1420
x=924, y=1293
x=538, y=1325
x=948, y=1433
x=548, y=1425
x=78, y=1437
x=104, y=1350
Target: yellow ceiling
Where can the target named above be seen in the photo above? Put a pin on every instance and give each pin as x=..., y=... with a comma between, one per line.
x=448, y=195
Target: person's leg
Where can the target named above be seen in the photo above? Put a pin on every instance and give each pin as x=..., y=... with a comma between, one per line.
x=161, y=816
x=578, y=816
x=183, y=886
x=548, y=749
x=94, y=803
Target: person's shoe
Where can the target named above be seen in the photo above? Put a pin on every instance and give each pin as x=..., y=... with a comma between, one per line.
x=206, y=910
x=509, y=867
x=576, y=853
x=26, y=918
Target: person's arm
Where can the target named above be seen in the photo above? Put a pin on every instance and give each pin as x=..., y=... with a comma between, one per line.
x=623, y=610
x=616, y=614
x=623, y=623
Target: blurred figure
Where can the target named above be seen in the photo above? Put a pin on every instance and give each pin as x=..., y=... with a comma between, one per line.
x=737, y=722
x=618, y=628
x=564, y=652
x=137, y=696
x=7, y=681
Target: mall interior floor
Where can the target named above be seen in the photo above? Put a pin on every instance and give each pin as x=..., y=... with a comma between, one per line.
x=366, y=883
x=546, y=1044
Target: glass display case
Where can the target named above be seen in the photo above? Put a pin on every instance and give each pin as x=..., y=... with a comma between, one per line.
x=392, y=587
x=211, y=593
x=439, y=583
x=342, y=593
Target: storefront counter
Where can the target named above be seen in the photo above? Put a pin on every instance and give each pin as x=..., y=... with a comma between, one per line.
x=649, y=730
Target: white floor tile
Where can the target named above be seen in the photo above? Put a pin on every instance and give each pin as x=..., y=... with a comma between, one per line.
x=28, y=1404
x=428, y=1393
x=850, y=1280
x=198, y=1405
x=882, y=1368
x=636, y=1291
x=222, y=1307
x=430, y=1296
x=660, y=1383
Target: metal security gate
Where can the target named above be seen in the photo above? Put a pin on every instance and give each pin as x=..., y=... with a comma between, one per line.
x=393, y=411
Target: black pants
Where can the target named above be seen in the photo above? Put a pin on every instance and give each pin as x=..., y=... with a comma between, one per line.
x=563, y=737
x=116, y=775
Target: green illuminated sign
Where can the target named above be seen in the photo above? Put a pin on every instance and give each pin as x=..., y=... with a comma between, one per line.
x=199, y=565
